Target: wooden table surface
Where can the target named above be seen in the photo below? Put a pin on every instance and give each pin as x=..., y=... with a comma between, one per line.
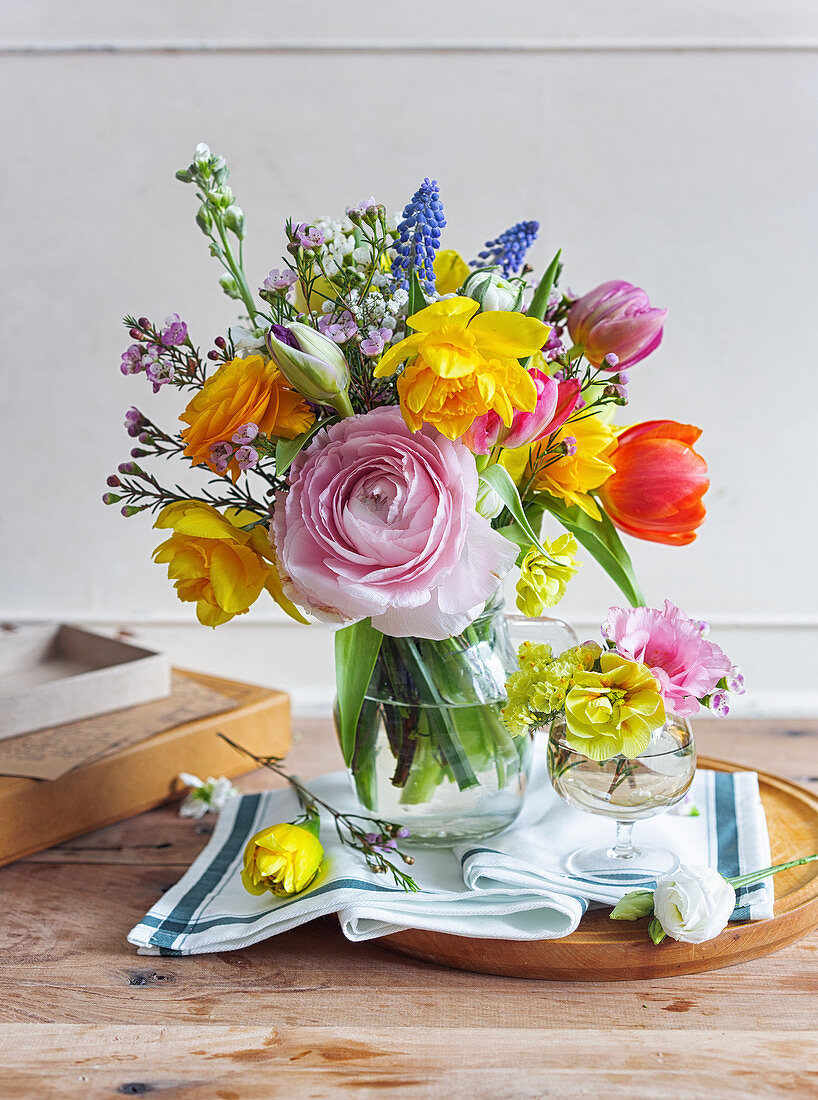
x=308, y=1014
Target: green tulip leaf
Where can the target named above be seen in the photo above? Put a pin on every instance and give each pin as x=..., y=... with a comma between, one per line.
x=600, y=539
x=500, y=480
x=356, y=650
x=287, y=449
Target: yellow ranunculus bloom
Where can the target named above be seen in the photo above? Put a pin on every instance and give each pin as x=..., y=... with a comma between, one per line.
x=451, y=271
x=573, y=476
x=460, y=366
x=216, y=564
x=614, y=710
x=543, y=579
x=243, y=391
x=283, y=859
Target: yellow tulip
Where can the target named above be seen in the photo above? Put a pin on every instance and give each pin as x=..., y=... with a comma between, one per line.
x=283, y=859
x=216, y=564
x=451, y=271
x=614, y=710
x=460, y=366
x=573, y=476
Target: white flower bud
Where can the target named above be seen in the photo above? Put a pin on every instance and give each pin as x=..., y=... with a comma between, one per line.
x=488, y=503
x=316, y=368
x=492, y=292
x=234, y=220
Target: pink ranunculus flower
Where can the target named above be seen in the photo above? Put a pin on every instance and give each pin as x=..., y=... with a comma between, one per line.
x=380, y=522
x=616, y=318
x=555, y=403
x=686, y=666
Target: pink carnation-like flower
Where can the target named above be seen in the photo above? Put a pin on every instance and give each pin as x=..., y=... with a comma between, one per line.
x=686, y=666
x=380, y=521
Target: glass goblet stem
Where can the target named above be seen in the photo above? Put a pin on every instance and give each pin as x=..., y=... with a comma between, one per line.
x=623, y=846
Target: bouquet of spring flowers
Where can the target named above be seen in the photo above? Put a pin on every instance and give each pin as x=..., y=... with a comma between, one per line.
x=381, y=437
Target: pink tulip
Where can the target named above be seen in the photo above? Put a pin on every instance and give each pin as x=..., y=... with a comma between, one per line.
x=617, y=319
x=555, y=403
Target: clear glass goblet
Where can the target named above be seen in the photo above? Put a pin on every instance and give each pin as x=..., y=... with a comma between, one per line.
x=626, y=790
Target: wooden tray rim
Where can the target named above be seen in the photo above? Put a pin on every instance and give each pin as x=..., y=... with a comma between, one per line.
x=792, y=920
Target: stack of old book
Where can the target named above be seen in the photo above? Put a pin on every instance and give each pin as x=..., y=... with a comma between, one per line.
x=94, y=730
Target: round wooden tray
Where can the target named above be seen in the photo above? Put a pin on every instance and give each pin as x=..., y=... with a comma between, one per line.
x=602, y=950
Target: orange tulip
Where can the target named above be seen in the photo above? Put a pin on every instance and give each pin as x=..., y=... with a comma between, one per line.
x=656, y=490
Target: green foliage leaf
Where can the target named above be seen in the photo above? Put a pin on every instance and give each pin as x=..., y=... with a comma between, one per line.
x=600, y=539
x=287, y=449
x=356, y=650
x=656, y=931
x=639, y=903
x=539, y=303
x=500, y=480
x=417, y=301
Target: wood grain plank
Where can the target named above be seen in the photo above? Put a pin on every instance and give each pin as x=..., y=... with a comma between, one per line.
x=230, y=1062
x=63, y=957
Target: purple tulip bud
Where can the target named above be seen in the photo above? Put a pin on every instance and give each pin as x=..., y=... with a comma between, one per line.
x=113, y=481
x=110, y=498
x=137, y=452
x=220, y=342
x=213, y=355
x=616, y=319
x=126, y=467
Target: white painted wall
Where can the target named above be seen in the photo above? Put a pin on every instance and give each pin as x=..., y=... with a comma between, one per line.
x=670, y=144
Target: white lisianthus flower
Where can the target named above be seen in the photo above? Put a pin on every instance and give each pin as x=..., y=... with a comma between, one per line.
x=694, y=904
x=206, y=796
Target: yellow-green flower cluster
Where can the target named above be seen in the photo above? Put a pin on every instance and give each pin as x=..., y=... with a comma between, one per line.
x=544, y=577
x=611, y=705
x=538, y=691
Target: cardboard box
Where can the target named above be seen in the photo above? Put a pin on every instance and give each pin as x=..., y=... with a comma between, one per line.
x=52, y=674
x=36, y=814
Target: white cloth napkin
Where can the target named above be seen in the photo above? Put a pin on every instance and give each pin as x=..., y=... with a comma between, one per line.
x=507, y=887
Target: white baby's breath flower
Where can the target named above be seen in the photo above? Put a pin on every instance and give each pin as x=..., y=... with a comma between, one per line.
x=205, y=796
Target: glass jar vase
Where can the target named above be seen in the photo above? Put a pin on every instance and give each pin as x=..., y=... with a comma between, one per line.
x=431, y=749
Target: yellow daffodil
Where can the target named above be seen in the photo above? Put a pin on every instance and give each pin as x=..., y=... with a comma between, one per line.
x=544, y=577
x=243, y=391
x=573, y=476
x=283, y=859
x=460, y=366
x=451, y=271
x=215, y=563
x=614, y=710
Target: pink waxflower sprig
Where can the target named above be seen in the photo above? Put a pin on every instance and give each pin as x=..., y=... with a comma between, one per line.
x=691, y=671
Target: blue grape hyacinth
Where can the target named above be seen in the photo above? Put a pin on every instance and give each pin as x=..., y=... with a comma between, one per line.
x=509, y=249
x=419, y=236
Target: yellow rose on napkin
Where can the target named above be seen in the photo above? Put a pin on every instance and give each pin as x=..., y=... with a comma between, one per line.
x=282, y=858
